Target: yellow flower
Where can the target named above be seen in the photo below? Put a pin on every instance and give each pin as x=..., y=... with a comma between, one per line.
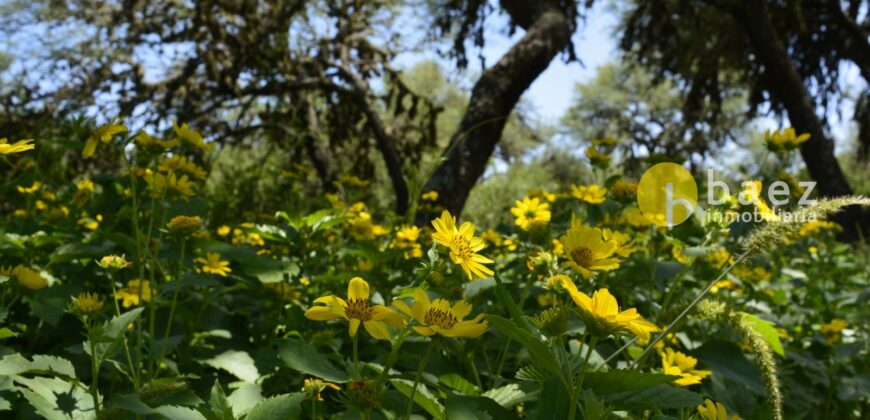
x=817, y=227
x=103, y=133
x=531, y=213
x=601, y=312
x=357, y=310
x=314, y=386
x=832, y=329
x=85, y=185
x=624, y=190
x=406, y=240
x=144, y=139
x=180, y=164
x=223, y=230
x=212, y=264
x=624, y=243
x=363, y=229
x=714, y=411
x=597, y=158
x=31, y=189
x=89, y=223
x=586, y=251
x=784, y=140
x=114, y=261
x=190, y=136
x=679, y=256
x=634, y=217
x=17, y=147
x=491, y=237
x=544, y=195
x=430, y=195
x=725, y=285
x=29, y=278
x=87, y=303
x=438, y=317
x=463, y=245
x=754, y=274
x=592, y=194
x=185, y=224
x=558, y=248
x=752, y=193
x=678, y=364
x=130, y=294
x=161, y=184
x=719, y=257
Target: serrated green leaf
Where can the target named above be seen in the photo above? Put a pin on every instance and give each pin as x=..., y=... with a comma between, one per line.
x=286, y=406
x=218, y=403
x=459, y=384
x=245, y=398
x=507, y=396
x=539, y=353
x=238, y=363
x=615, y=381
x=767, y=329
x=119, y=324
x=55, y=398
x=423, y=397
x=7, y=333
x=305, y=358
x=470, y=407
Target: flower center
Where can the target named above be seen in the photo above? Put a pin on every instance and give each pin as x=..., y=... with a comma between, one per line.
x=443, y=319
x=582, y=256
x=358, y=309
x=461, y=248
x=531, y=214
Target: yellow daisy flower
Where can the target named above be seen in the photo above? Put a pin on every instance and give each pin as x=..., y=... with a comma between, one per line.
x=624, y=243
x=438, y=317
x=130, y=294
x=87, y=303
x=463, y=246
x=784, y=140
x=190, y=136
x=31, y=189
x=17, y=147
x=678, y=364
x=816, y=227
x=314, y=386
x=212, y=264
x=601, y=312
x=592, y=194
x=29, y=278
x=357, y=310
x=103, y=133
x=430, y=195
x=714, y=411
x=531, y=213
x=832, y=329
x=586, y=251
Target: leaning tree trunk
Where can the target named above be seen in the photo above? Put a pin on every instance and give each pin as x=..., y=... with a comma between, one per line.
x=548, y=30
x=786, y=84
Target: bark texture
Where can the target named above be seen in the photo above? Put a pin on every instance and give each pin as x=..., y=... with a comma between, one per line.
x=548, y=29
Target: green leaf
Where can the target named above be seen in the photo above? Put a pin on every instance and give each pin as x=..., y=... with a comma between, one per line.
x=459, y=384
x=301, y=356
x=538, y=351
x=245, y=398
x=16, y=364
x=117, y=325
x=7, y=333
x=238, y=363
x=220, y=407
x=767, y=330
x=724, y=358
x=508, y=395
x=132, y=403
x=422, y=397
x=286, y=406
x=471, y=407
x=554, y=401
x=615, y=381
x=660, y=397
x=55, y=398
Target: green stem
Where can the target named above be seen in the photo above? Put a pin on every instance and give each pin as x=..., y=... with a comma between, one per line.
x=394, y=355
x=95, y=372
x=356, y=371
x=575, y=393
x=133, y=373
x=418, y=377
x=172, y=307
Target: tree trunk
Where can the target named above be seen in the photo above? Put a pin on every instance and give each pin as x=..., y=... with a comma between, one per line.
x=548, y=30
x=786, y=84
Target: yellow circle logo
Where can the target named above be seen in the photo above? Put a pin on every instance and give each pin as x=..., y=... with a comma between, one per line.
x=667, y=194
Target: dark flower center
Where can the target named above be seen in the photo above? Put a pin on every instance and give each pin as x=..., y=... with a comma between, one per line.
x=358, y=309
x=443, y=319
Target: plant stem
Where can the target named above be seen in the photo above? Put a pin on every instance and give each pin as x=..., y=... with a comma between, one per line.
x=95, y=372
x=355, y=355
x=394, y=353
x=172, y=307
x=417, y=378
x=575, y=393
